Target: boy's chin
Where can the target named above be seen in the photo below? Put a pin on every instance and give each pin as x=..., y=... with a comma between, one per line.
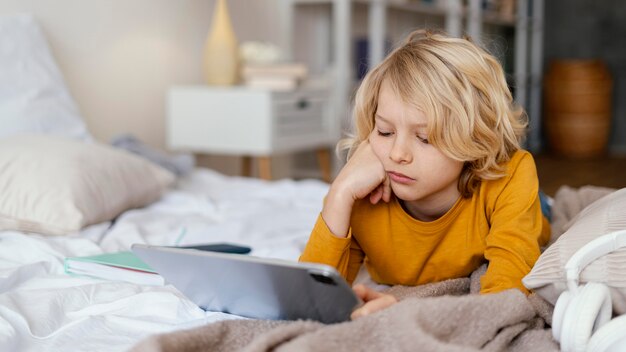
x=405, y=196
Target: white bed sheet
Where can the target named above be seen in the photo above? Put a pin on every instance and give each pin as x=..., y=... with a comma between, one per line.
x=42, y=308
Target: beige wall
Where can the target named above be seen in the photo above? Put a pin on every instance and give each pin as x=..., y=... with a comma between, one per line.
x=120, y=56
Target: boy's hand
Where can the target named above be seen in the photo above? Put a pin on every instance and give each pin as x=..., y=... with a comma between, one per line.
x=374, y=301
x=364, y=175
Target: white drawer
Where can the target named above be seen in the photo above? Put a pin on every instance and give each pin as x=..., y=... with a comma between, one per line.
x=294, y=97
x=301, y=118
x=243, y=121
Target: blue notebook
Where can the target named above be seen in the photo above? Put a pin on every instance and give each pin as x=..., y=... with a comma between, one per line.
x=126, y=266
x=122, y=266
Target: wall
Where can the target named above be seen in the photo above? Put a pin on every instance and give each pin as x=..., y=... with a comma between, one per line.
x=119, y=57
x=592, y=29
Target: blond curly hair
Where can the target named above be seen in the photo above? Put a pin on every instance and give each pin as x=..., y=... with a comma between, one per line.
x=462, y=90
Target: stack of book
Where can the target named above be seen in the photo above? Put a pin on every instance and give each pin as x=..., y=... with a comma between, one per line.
x=279, y=76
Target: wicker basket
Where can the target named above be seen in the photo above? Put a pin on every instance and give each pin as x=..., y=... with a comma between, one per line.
x=578, y=107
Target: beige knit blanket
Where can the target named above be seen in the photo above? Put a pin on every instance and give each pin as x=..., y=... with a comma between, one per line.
x=443, y=316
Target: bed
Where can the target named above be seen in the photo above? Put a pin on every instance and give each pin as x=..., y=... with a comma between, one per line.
x=42, y=308
x=64, y=194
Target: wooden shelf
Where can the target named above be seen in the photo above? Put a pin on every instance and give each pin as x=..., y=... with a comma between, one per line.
x=413, y=6
x=416, y=7
x=459, y=17
x=495, y=18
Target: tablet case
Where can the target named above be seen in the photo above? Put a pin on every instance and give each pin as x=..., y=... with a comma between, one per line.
x=254, y=287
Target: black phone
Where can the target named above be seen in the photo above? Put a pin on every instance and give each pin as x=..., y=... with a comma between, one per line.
x=220, y=247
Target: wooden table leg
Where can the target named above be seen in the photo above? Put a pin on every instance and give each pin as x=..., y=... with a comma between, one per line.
x=246, y=166
x=265, y=167
x=323, y=159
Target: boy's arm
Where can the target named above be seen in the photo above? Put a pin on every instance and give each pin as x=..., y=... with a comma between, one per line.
x=513, y=242
x=342, y=253
x=331, y=240
x=362, y=176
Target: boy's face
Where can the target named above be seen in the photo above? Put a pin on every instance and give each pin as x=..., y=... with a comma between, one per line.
x=419, y=173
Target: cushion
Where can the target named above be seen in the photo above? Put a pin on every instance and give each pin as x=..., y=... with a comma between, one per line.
x=33, y=95
x=603, y=216
x=57, y=185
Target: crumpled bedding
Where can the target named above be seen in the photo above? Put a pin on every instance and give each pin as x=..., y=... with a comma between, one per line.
x=443, y=316
x=44, y=309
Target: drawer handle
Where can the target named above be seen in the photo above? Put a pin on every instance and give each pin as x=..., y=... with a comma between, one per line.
x=303, y=104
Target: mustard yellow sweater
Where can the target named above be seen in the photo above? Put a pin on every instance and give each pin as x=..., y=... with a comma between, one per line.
x=501, y=224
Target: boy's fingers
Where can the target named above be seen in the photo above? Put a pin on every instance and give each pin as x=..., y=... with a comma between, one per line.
x=356, y=314
x=365, y=293
x=374, y=306
x=359, y=290
x=376, y=195
x=386, y=190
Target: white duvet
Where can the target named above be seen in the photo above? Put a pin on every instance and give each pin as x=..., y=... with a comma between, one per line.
x=43, y=309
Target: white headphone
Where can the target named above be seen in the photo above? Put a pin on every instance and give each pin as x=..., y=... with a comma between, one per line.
x=582, y=314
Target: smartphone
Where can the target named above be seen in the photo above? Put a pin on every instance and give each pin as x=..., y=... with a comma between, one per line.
x=220, y=247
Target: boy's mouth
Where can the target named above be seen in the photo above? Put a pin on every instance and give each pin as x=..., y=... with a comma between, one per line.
x=399, y=177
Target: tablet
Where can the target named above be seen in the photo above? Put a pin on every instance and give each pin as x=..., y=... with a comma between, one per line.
x=253, y=287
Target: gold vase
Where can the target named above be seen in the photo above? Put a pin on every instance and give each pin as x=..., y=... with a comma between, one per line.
x=221, y=55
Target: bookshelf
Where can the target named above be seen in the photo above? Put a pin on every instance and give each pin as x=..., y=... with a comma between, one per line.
x=338, y=21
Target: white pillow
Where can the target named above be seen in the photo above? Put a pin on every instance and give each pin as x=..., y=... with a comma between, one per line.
x=57, y=185
x=608, y=214
x=33, y=96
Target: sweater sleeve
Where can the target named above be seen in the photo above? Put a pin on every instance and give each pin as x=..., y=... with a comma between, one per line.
x=512, y=244
x=323, y=247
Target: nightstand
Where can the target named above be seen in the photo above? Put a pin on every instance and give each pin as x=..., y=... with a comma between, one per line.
x=251, y=122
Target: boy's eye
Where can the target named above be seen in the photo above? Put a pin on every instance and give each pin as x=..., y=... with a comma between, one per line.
x=423, y=140
x=384, y=134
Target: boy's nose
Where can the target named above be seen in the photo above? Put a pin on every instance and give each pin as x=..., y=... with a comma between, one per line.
x=400, y=152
